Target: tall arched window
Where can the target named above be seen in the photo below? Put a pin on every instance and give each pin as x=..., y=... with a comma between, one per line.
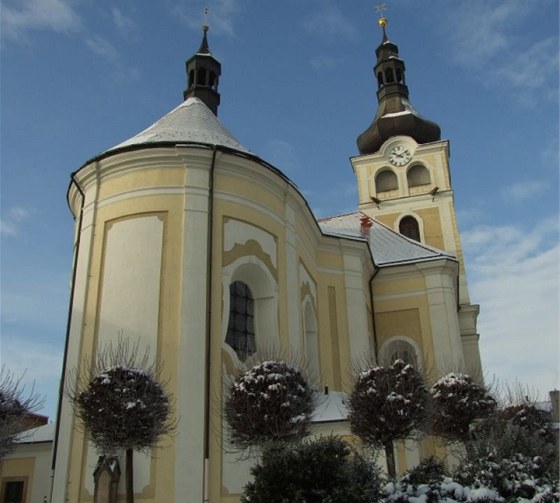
x=408, y=227
x=311, y=343
x=241, y=327
x=386, y=180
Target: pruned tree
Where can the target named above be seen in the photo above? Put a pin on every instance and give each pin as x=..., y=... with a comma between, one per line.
x=458, y=402
x=388, y=404
x=16, y=405
x=322, y=469
x=270, y=402
x=122, y=403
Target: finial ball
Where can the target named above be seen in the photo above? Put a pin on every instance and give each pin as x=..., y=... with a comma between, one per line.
x=382, y=21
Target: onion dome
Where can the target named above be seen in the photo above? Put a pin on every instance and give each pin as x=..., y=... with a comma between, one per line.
x=395, y=115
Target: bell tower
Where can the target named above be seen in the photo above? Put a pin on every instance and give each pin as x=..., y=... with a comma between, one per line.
x=403, y=174
x=203, y=74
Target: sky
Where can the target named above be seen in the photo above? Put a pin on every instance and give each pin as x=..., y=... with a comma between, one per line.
x=297, y=88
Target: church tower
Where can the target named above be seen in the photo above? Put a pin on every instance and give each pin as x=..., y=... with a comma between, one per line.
x=404, y=178
x=203, y=73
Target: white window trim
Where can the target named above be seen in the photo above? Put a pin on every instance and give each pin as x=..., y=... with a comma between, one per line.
x=255, y=274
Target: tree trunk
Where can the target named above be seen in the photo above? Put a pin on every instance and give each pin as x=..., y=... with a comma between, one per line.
x=129, y=477
x=390, y=456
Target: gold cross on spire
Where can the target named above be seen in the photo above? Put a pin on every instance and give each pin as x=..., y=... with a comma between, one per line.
x=380, y=9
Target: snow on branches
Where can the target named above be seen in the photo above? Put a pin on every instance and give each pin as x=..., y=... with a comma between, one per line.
x=272, y=401
x=121, y=402
x=388, y=403
x=458, y=402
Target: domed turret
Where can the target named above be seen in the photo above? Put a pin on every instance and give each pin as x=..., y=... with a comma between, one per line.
x=203, y=73
x=395, y=115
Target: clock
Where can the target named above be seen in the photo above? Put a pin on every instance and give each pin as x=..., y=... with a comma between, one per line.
x=399, y=155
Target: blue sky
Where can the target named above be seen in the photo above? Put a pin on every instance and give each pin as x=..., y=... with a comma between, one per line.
x=79, y=76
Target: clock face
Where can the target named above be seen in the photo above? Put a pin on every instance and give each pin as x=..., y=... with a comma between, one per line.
x=399, y=155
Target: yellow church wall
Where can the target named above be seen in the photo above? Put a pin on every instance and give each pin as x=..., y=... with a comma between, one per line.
x=433, y=233
x=398, y=313
x=170, y=210
x=21, y=469
x=147, y=178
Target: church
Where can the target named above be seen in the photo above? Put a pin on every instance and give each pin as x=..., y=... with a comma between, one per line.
x=207, y=254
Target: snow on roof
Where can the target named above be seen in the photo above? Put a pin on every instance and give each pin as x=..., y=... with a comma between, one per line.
x=396, y=114
x=44, y=433
x=387, y=246
x=191, y=121
x=330, y=407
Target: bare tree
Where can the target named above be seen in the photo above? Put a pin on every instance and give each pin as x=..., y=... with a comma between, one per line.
x=271, y=401
x=15, y=407
x=122, y=403
x=388, y=404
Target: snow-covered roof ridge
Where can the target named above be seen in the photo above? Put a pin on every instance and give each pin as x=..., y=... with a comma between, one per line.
x=43, y=433
x=191, y=122
x=387, y=246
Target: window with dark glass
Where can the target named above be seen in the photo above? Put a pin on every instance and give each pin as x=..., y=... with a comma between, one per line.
x=13, y=492
x=409, y=227
x=241, y=332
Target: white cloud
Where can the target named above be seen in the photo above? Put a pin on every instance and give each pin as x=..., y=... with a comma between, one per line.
x=107, y=51
x=122, y=22
x=101, y=47
x=480, y=30
x=9, y=225
x=523, y=191
x=329, y=20
x=530, y=71
x=27, y=15
x=514, y=276
x=486, y=40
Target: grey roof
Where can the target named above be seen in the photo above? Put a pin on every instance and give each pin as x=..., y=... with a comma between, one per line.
x=192, y=121
x=330, y=407
x=44, y=433
x=387, y=246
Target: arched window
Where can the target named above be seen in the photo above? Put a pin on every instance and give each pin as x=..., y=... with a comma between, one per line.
x=398, y=349
x=408, y=227
x=380, y=79
x=201, y=77
x=418, y=175
x=386, y=180
x=241, y=327
x=389, y=77
x=311, y=343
